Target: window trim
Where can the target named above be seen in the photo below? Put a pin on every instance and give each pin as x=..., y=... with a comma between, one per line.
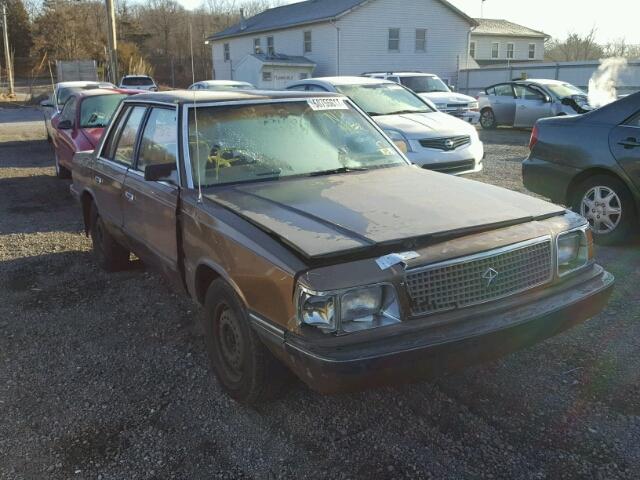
x=497, y=50
x=121, y=115
x=257, y=45
x=134, y=165
x=271, y=46
x=270, y=76
x=422, y=49
x=226, y=52
x=472, y=49
x=305, y=42
x=389, y=39
x=513, y=50
x=534, y=52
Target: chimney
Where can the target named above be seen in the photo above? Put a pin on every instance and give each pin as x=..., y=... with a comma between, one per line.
x=243, y=23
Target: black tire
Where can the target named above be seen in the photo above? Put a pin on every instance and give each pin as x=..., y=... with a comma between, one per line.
x=488, y=119
x=108, y=253
x=245, y=368
x=61, y=172
x=624, y=224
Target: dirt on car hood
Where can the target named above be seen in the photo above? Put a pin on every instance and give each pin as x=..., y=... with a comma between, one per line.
x=337, y=214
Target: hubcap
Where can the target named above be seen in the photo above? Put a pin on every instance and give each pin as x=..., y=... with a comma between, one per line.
x=601, y=206
x=487, y=118
x=231, y=342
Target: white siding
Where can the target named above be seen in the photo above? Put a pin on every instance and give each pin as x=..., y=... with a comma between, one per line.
x=288, y=42
x=520, y=44
x=364, y=38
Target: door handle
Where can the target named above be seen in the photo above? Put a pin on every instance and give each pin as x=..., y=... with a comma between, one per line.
x=98, y=180
x=130, y=196
x=629, y=143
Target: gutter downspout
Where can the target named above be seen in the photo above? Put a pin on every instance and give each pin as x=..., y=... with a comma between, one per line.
x=335, y=25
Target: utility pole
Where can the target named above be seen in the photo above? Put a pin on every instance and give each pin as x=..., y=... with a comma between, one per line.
x=113, y=42
x=7, y=54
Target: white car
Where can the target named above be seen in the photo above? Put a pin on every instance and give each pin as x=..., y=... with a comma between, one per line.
x=429, y=138
x=221, y=85
x=138, y=82
x=432, y=88
x=61, y=92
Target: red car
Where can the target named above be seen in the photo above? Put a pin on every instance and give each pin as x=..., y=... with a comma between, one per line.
x=80, y=123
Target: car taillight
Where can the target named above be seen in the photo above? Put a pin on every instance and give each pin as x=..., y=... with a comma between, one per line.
x=534, y=137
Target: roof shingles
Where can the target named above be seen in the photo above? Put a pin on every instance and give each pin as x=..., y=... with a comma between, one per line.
x=492, y=26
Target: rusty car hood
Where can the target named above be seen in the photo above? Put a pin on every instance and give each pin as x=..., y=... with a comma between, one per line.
x=337, y=214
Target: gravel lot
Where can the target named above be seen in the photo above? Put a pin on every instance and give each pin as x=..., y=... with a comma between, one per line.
x=104, y=376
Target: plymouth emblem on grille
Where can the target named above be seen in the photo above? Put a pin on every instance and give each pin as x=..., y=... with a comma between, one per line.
x=490, y=275
x=448, y=144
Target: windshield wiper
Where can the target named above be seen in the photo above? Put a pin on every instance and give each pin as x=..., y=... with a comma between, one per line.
x=402, y=112
x=337, y=170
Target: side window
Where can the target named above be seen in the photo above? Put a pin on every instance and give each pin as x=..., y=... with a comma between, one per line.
x=316, y=88
x=69, y=110
x=634, y=121
x=491, y=91
x=159, y=144
x=298, y=88
x=504, y=90
x=114, y=133
x=127, y=139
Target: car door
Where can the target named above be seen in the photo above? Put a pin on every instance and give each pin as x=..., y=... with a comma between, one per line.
x=624, y=142
x=150, y=206
x=116, y=156
x=63, y=138
x=531, y=105
x=503, y=103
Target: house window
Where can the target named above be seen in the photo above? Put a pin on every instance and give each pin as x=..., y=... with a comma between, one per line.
x=307, y=42
x=227, y=52
x=394, y=39
x=532, y=51
x=509, y=50
x=266, y=76
x=303, y=76
x=495, y=50
x=472, y=49
x=257, y=47
x=421, y=39
x=271, y=49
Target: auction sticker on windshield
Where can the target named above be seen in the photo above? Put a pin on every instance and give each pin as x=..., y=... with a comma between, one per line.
x=327, y=104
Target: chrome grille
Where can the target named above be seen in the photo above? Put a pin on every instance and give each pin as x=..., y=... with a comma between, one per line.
x=445, y=143
x=466, y=281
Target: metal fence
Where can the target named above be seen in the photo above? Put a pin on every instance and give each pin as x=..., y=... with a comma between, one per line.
x=471, y=81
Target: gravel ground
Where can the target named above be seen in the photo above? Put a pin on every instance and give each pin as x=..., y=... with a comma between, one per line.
x=104, y=376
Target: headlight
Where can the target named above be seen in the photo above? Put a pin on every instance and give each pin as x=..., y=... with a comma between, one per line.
x=574, y=250
x=359, y=309
x=474, y=106
x=399, y=139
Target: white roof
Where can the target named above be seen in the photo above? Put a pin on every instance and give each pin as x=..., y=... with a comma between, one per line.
x=79, y=83
x=223, y=82
x=405, y=74
x=349, y=80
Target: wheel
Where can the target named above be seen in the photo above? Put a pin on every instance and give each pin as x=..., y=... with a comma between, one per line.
x=61, y=172
x=488, y=119
x=108, y=253
x=245, y=368
x=608, y=205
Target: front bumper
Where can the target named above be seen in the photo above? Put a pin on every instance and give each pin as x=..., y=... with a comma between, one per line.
x=463, y=160
x=431, y=348
x=548, y=179
x=469, y=116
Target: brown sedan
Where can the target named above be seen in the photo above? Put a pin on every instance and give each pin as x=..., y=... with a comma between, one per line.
x=313, y=243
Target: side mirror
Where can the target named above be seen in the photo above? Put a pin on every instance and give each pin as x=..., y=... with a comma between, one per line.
x=65, y=125
x=452, y=88
x=547, y=99
x=160, y=171
x=47, y=104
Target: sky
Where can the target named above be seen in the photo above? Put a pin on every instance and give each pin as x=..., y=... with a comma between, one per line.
x=613, y=19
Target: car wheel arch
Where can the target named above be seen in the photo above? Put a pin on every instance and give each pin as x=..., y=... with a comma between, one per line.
x=206, y=272
x=86, y=200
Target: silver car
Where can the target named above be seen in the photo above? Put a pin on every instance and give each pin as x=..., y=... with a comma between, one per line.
x=217, y=85
x=521, y=103
x=429, y=138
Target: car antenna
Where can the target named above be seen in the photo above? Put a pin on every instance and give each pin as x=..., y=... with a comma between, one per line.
x=195, y=117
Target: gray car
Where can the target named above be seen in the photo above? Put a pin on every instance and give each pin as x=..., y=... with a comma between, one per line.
x=521, y=103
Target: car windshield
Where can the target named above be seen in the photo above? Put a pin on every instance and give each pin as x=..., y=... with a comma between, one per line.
x=95, y=112
x=562, y=90
x=384, y=99
x=137, y=81
x=424, y=84
x=250, y=143
x=64, y=93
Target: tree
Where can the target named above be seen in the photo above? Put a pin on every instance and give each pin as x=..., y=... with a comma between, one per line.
x=574, y=48
x=19, y=28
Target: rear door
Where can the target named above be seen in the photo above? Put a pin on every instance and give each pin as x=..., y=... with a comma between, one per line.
x=624, y=141
x=116, y=156
x=531, y=105
x=63, y=140
x=150, y=206
x=503, y=103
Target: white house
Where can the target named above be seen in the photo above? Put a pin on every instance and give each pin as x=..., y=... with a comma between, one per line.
x=500, y=41
x=344, y=37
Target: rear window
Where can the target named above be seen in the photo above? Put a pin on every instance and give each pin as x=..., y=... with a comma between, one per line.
x=137, y=81
x=95, y=112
